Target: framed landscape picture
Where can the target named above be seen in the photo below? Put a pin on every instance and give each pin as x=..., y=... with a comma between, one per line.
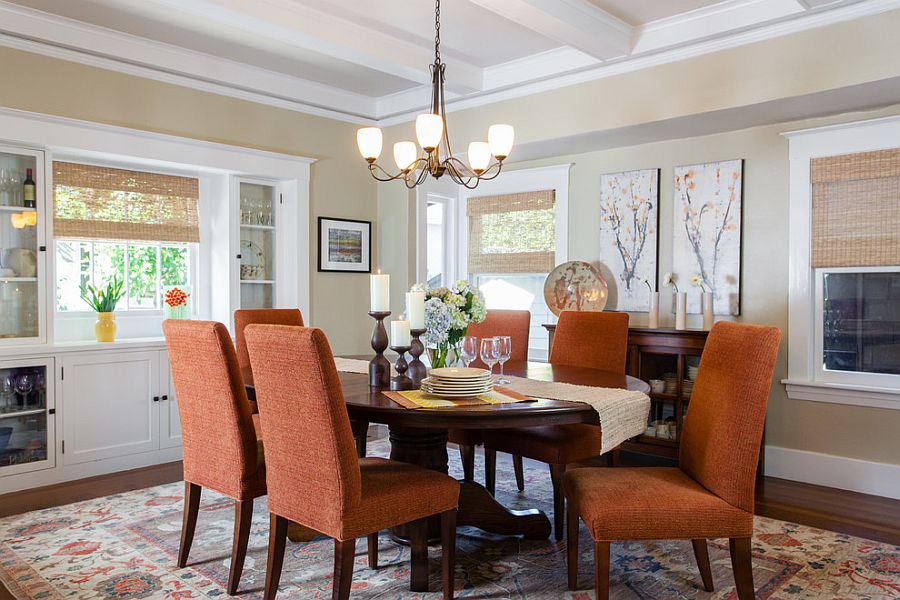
x=629, y=213
x=706, y=240
x=345, y=245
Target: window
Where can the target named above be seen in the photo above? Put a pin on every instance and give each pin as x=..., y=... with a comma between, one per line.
x=515, y=234
x=137, y=226
x=844, y=315
x=145, y=268
x=436, y=238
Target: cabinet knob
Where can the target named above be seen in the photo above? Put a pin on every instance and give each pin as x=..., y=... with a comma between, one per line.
x=156, y=398
x=239, y=257
x=165, y=397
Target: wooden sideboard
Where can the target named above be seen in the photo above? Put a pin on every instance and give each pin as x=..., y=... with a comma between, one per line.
x=671, y=356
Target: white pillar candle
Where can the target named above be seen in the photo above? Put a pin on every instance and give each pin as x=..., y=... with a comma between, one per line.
x=415, y=309
x=653, y=316
x=400, y=333
x=706, y=300
x=680, y=310
x=380, y=292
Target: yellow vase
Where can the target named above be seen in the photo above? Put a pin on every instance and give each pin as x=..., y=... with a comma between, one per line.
x=105, y=327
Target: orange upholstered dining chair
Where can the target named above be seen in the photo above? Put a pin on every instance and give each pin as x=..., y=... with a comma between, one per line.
x=595, y=340
x=282, y=316
x=710, y=493
x=220, y=444
x=315, y=478
x=516, y=324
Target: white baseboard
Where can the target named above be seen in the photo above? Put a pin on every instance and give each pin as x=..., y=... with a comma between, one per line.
x=866, y=477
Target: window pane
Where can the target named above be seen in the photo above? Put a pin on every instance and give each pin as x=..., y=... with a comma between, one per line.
x=108, y=262
x=73, y=269
x=174, y=265
x=862, y=322
x=142, y=272
x=434, y=237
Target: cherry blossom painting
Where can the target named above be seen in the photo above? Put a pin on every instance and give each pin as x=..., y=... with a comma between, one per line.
x=706, y=241
x=629, y=209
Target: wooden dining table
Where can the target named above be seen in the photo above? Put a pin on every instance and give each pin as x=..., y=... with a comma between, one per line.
x=419, y=436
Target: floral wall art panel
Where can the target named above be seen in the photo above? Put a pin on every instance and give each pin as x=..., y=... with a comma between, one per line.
x=707, y=232
x=629, y=209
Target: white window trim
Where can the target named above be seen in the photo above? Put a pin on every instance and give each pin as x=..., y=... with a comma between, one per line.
x=805, y=380
x=516, y=182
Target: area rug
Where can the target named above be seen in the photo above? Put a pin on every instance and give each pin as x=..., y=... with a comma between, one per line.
x=124, y=547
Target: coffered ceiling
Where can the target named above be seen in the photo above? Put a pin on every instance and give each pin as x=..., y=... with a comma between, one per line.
x=368, y=60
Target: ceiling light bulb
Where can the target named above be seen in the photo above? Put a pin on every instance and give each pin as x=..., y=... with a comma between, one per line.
x=429, y=129
x=500, y=138
x=405, y=155
x=369, y=141
x=479, y=156
x=30, y=218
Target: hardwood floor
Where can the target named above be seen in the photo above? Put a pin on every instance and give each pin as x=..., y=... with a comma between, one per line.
x=852, y=513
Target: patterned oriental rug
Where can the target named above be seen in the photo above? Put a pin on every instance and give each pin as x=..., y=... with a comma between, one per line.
x=124, y=547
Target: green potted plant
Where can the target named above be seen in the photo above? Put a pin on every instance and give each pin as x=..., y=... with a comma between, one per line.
x=103, y=301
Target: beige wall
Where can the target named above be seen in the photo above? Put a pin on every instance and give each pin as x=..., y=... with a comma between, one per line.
x=811, y=62
x=340, y=183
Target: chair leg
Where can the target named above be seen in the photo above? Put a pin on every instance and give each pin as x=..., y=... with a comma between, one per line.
x=189, y=521
x=490, y=470
x=601, y=570
x=559, y=502
x=243, y=515
x=278, y=527
x=344, y=554
x=520, y=472
x=361, y=446
x=373, y=550
x=572, y=546
x=418, y=551
x=467, y=458
x=742, y=563
x=448, y=552
x=701, y=553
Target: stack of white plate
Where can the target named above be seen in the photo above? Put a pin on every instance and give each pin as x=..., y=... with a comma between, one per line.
x=455, y=382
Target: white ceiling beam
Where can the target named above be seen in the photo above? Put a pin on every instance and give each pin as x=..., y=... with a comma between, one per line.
x=575, y=23
x=296, y=24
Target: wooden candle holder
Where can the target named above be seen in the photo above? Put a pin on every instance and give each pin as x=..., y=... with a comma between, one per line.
x=379, y=366
x=401, y=382
x=417, y=371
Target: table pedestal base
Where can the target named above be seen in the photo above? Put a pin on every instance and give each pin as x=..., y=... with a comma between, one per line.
x=428, y=448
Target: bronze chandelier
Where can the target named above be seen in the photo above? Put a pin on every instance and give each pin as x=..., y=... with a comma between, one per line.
x=436, y=158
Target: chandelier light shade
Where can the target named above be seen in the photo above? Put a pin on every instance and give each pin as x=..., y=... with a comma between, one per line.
x=485, y=159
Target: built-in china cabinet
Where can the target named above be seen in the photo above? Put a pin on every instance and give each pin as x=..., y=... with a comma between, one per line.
x=71, y=407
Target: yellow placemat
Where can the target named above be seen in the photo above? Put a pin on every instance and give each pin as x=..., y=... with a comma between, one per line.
x=420, y=399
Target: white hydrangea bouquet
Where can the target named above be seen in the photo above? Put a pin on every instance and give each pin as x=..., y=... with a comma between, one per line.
x=448, y=312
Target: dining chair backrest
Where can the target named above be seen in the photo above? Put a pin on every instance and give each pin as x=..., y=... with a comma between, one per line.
x=594, y=340
x=266, y=316
x=723, y=426
x=217, y=434
x=514, y=323
x=312, y=471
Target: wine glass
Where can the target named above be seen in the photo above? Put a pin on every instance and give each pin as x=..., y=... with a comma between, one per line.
x=469, y=349
x=40, y=384
x=24, y=385
x=489, y=353
x=503, y=346
x=7, y=385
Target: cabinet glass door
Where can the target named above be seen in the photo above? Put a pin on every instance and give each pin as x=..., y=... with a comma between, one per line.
x=26, y=396
x=21, y=234
x=258, y=213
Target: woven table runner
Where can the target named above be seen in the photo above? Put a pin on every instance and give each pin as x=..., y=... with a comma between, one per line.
x=351, y=365
x=623, y=413
x=419, y=399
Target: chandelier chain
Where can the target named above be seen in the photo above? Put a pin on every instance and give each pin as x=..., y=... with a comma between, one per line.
x=437, y=32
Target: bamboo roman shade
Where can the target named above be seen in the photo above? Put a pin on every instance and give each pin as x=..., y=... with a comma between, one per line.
x=512, y=233
x=856, y=209
x=117, y=204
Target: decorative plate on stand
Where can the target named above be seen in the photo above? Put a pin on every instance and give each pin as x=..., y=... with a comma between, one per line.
x=253, y=261
x=575, y=285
